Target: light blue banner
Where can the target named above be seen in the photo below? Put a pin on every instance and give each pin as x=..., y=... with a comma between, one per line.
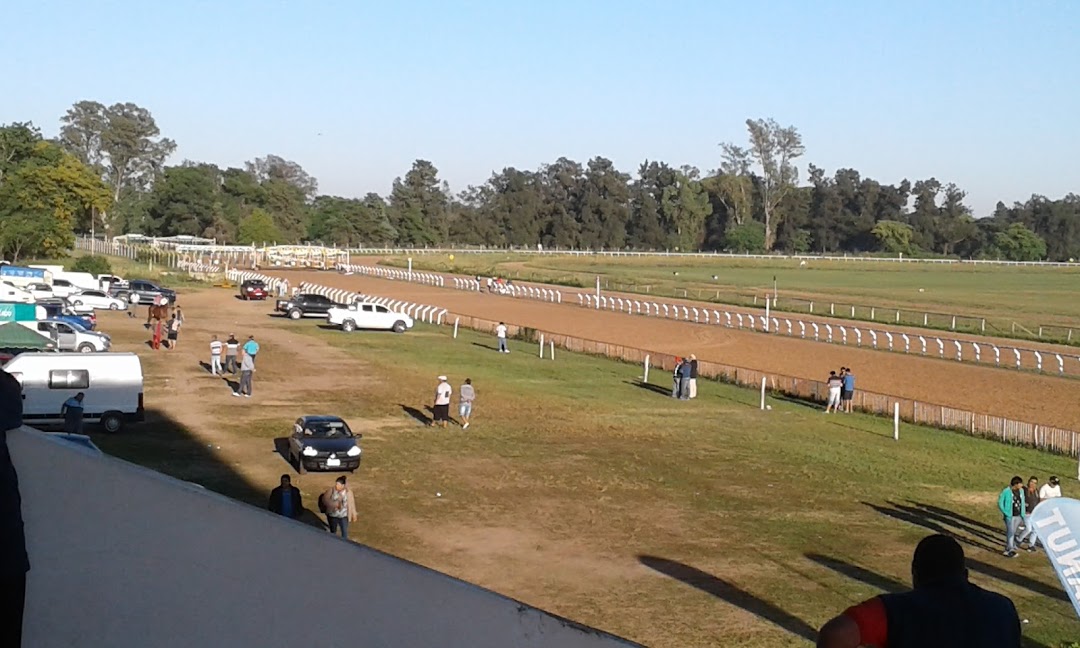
x=1057, y=523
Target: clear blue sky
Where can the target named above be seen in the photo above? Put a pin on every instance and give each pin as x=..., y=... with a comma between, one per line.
x=984, y=94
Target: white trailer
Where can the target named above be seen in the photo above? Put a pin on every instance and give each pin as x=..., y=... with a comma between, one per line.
x=112, y=384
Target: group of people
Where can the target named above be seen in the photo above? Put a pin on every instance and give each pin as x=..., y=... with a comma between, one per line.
x=1016, y=503
x=496, y=284
x=841, y=391
x=684, y=378
x=444, y=394
x=337, y=503
x=232, y=350
x=167, y=332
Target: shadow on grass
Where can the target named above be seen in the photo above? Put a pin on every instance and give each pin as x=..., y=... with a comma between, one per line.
x=416, y=414
x=961, y=519
x=729, y=593
x=490, y=347
x=1019, y=580
x=165, y=445
x=861, y=574
x=937, y=524
x=649, y=387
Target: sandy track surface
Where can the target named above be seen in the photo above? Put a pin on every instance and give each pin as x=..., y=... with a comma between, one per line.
x=1045, y=400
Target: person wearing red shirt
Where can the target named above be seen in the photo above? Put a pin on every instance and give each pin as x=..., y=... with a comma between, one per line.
x=943, y=610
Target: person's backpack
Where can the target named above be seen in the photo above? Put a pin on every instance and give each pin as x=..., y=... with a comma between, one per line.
x=322, y=503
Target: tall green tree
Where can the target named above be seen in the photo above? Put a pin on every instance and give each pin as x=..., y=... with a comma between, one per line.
x=418, y=206
x=258, y=228
x=773, y=149
x=1018, y=243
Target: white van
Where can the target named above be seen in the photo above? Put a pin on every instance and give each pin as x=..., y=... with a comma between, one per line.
x=81, y=280
x=112, y=382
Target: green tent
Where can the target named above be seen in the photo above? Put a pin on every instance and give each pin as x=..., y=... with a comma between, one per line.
x=17, y=336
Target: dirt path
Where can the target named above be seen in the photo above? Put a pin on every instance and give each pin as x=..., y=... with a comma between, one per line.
x=1039, y=399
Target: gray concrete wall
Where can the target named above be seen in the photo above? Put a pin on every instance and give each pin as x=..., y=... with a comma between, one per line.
x=122, y=556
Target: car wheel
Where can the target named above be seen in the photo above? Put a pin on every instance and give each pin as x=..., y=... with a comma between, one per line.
x=399, y=327
x=348, y=326
x=114, y=306
x=295, y=314
x=86, y=347
x=112, y=422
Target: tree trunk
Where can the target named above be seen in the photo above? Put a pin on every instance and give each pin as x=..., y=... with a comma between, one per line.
x=769, y=235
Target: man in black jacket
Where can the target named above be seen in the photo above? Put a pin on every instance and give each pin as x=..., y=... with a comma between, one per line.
x=943, y=610
x=13, y=560
x=285, y=499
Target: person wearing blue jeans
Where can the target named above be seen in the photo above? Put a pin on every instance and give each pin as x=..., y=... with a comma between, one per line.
x=340, y=507
x=1013, y=509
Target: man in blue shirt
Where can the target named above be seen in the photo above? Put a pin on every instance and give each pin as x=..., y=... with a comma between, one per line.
x=849, y=388
x=251, y=347
x=285, y=499
x=72, y=410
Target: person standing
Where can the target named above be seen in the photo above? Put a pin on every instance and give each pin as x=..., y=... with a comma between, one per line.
x=251, y=348
x=173, y=330
x=942, y=609
x=215, y=355
x=1031, y=500
x=847, y=394
x=14, y=562
x=1050, y=489
x=285, y=499
x=500, y=333
x=232, y=346
x=466, y=396
x=693, y=375
x=441, y=410
x=72, y=410
x=155, y=341
x=340, y=507
x=684, y=380
x=835, y=384
x=1013, y=510
x=676, y=378
x=247, y=369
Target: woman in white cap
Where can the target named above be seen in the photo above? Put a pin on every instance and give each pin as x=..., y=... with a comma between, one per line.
x=442, y=402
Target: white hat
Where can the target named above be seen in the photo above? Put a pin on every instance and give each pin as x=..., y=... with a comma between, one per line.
x=443, y=378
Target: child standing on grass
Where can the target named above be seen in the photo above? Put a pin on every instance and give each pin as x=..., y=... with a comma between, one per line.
x=466, y=396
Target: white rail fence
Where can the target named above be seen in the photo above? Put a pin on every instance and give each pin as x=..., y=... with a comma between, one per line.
x=420, y=312
x=984, y=353
x=510, y=290
x=426, y=278
x=706, y=255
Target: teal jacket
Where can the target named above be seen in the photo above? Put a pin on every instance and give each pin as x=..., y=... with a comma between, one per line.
x=1005, y=503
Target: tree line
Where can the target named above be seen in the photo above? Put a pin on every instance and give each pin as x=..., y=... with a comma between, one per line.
x=106, y=174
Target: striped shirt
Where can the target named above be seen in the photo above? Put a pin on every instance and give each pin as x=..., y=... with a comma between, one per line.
x=215, y=348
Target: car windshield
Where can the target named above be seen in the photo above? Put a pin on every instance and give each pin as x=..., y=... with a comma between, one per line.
x=255, y=284
x=327, y=430
x=76, y=323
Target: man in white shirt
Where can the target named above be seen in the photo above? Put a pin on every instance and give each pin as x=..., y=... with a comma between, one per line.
x=441, y=410
x=500, y=332
x=1050, y=489
x=215, y=356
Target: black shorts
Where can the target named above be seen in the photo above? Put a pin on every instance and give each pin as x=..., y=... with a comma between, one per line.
x=173, y=335
x=442, y=412
x=846, y=394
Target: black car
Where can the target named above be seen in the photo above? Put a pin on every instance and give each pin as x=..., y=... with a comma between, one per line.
x=305, y=305
x=140, y=291
x=323, y=443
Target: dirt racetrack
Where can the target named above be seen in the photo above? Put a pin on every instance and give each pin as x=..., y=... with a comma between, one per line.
x=987, y=390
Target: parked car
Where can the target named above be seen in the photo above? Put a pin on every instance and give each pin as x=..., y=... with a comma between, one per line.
x=59, y=310
x=305, y=305
x=70, y=336
x=363, y=315
x=96, y=299
x=112, y=382
x=63, y=288
x=108, y=282
x=323, y=443
x=40, y=290
x=253, y=289
x=140, y=291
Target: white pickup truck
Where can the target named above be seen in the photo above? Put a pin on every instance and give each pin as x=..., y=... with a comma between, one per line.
x=365, y=315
